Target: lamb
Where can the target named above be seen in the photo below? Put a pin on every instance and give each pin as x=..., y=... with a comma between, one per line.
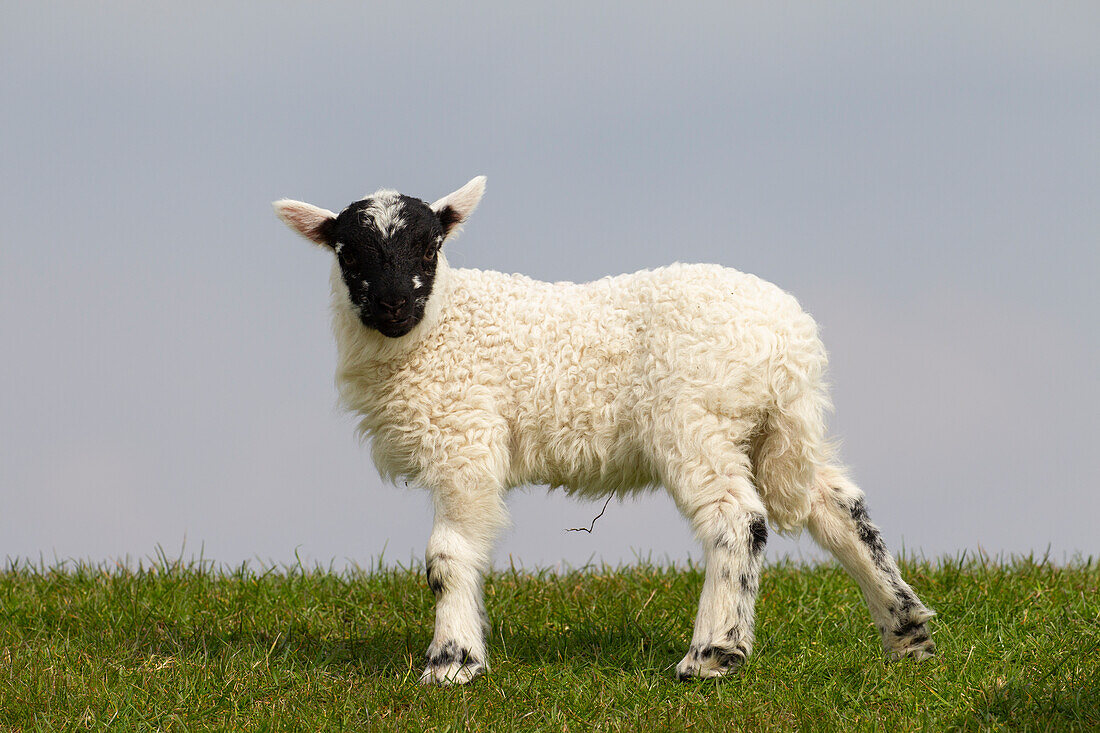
x=698, y=378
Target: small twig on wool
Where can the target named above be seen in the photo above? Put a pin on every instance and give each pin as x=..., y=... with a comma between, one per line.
x=589, y=528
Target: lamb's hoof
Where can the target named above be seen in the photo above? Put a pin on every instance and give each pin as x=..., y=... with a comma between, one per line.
x=450, y=664
x=909, y=641
x=454, y=673
x=709, y=663
x=916, y=649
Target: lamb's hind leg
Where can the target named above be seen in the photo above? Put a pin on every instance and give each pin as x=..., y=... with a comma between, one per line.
x=839, y=523
x=729, y=520
x=466, y=523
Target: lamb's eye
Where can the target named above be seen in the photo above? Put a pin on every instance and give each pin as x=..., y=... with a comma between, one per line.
x=348, y=259
x=429, y=255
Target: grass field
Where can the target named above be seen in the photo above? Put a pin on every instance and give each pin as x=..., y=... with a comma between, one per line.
x=184, y=647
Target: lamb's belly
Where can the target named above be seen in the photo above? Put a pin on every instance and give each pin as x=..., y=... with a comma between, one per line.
x=589, y=458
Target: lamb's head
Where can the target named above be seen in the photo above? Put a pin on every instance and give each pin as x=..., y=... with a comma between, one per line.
x=387, y=247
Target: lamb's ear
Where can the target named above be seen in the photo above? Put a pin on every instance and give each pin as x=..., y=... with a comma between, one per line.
x=455, y=208
x=310, y=221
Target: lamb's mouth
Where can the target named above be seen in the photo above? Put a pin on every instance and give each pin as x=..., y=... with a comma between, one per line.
x=395, y=329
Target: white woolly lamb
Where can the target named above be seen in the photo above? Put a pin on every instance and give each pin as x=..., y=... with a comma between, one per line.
x=698, y=378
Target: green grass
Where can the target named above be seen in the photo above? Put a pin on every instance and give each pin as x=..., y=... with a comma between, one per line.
x=183, y=647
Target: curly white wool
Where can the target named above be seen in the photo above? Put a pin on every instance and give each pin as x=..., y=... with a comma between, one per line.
x=510, y=381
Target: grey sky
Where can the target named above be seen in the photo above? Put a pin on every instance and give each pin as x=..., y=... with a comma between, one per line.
x=923, y=177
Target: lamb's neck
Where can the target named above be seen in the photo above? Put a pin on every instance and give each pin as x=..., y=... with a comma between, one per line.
x=361, y=349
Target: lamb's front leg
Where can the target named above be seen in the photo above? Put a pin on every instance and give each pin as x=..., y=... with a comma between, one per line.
x=457, y=558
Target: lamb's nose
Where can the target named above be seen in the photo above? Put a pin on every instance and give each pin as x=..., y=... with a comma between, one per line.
x=392, y=306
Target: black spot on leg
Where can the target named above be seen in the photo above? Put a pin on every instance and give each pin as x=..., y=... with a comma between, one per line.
x=451, y=652
x=907, y=628
x=444, y=655
x=869, y=534
x=905, y=598
x=870, y=537
x=758, y=533
x=435, y=580
x=741, y=648
x=858, y=510
x=725, y=658
x=746, y=584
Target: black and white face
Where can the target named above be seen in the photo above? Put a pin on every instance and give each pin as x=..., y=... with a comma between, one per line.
x=387, y=246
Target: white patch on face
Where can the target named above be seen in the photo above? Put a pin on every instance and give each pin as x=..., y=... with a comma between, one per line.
x=417, y=282
x=338, y=246
x=366, y=285
x=384, y=212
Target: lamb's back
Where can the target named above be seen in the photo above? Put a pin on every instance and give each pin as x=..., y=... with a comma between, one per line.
x=585, y=375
